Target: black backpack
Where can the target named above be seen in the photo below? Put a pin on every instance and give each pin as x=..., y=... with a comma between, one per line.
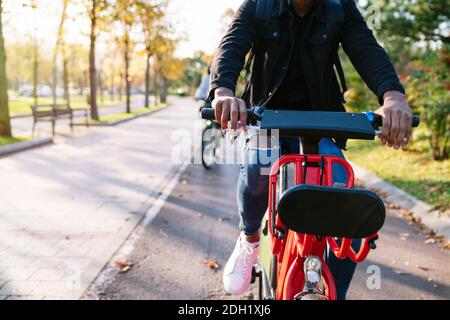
x=335, y=18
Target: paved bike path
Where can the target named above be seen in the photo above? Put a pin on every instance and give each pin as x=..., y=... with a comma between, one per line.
x=199, y=222
x=66, y=208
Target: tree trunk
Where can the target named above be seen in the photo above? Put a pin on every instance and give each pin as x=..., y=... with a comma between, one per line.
x=65, y=74
x=35, y=71
x=5, y=123
x=147, y=82
x=59, y=42
x=127, y=73
x=100, y=87
x=92, y=69
x=111, y=89
x=156, y=80
x=163, y=90
x=121, y=87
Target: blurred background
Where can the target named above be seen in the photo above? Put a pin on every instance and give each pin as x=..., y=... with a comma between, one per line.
x=102, y=62
x=59, y=51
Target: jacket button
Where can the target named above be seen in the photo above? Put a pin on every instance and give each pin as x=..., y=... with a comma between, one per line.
x=276, y=34
x=325, y=36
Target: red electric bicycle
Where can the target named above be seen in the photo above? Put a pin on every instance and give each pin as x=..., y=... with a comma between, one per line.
x=308, y=214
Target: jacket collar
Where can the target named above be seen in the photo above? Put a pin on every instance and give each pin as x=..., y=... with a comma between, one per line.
x=316, y=9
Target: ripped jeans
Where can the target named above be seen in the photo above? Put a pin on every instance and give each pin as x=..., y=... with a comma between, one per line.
x=253, y=192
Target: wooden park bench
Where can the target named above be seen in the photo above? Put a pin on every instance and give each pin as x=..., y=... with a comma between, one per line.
x=53, y=112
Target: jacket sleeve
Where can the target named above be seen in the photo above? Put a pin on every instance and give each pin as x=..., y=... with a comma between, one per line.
x=369, y=58
x=230, y=58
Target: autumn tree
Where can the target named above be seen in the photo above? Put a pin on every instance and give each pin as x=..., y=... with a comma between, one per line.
x=96, y=10
x=61, y=47
x=125, y=14
x=168, y=67
x=5, y=124
x=149, y=16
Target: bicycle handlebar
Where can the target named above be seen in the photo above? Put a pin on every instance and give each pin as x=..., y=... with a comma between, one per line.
x=255, y=114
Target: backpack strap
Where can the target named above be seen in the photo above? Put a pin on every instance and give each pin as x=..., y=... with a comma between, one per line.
x=335, y=15
x=335, y=19
x=263, y=13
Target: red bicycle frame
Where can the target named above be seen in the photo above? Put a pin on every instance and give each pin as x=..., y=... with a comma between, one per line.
x=291, y=248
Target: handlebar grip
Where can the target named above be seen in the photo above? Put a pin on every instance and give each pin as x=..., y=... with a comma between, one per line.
x=378, y=121
x=208, y=114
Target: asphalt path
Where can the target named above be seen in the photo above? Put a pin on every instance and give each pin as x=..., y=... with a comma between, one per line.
x=198, y=223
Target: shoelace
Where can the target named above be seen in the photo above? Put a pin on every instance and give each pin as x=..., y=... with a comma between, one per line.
x=248, y=251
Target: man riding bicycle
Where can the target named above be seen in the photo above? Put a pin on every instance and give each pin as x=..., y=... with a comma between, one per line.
x=294, y=65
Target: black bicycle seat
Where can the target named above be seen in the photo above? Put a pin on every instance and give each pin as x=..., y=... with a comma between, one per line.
x=334, y=212
x=338, y=125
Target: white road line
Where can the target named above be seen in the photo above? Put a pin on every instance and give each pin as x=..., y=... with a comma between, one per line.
x=108, y=274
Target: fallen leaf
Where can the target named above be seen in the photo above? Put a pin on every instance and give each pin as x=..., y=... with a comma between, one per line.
x=212, y=264
x=422, y=268
x=446, y=246
x=404, y=236
x=123, y=266
x=393, y=206
x=430, y=241
x=164, y=234
x=124, y=270
x=401, y=273
x=184, y=182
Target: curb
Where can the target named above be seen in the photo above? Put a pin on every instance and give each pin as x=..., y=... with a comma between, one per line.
x=419, y=209
x=29, y=115
x=23, y=146
x=117, y=122
x=19, y=116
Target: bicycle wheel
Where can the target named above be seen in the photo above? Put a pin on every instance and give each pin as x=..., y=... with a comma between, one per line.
x=209, y=136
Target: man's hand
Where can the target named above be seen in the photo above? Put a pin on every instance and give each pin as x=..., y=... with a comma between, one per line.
x=397, y=120
x=229, y=109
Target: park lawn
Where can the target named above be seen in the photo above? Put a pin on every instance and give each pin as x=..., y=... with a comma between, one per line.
x=21, y=106
x=124, y=115
x=414, y=171
x=4, y=141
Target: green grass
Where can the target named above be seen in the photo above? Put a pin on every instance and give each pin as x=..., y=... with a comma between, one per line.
x=124, y=115
x=21, y=106
x=10, y=140
x=414, y=171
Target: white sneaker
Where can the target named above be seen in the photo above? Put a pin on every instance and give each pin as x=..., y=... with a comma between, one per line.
x=237, y=274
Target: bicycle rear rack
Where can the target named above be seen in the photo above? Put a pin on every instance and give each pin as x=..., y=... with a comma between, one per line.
x=320, y=169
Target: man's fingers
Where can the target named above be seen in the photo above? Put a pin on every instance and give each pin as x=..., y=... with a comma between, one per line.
x=401, y=134
x=386, y=127
x=395, y=128
x=234, y=114
x=408, y=124
x=243, y=113
x=225, y=117
x=217, y=106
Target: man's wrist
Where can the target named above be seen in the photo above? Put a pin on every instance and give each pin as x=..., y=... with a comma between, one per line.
x=223, y=92
x=394, y=95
